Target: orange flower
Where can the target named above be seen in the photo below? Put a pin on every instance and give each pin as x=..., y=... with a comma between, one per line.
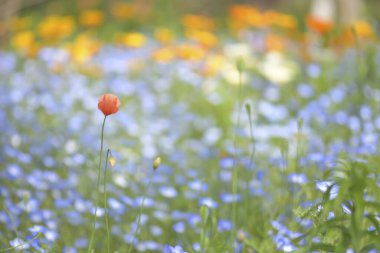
x=198, y=22
x=275, y=43
x=319, y=25
x=205, y=38
x=244, y=16
x=91, y=18
x=190, y=52
x=122, y=11
x=109, y=104
x=164, y=54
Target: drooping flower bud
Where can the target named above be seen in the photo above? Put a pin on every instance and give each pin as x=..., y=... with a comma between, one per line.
x=156, y=163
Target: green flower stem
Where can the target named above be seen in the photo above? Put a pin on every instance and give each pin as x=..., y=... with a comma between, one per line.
x=97, y=188
x=23, y=244
x=140, y=212
x=234, y=180
x=105, y=202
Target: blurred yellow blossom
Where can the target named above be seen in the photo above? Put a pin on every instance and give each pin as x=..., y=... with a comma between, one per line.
x=25, y=43
x=198, y=22
x=190, y=52
x=54, y=28
x=205, y=38
x=212, y=65
x=83, y=48
x=164, y=54
x=359, y=30
x=163, y=35
x=132, y=39
x=244, y=16
x=122, y=11
x=22, y=40
x=285, y=21
x=91, y=18
x=363, y=29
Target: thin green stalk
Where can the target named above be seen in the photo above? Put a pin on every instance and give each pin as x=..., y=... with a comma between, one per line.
x=140, y=212
x=251, y=157
x=21, y=245
x=204, y=244
x=14, y=227
x=105, y=203
x=97, y=188
x=235, y=172
x=298, y=143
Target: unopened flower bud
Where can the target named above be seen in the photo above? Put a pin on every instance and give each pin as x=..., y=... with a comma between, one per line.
x=156, y=163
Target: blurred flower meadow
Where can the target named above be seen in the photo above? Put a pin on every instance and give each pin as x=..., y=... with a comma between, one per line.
x=227, y=127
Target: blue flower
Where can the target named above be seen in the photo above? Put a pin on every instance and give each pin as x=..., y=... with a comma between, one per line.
x=175, y=249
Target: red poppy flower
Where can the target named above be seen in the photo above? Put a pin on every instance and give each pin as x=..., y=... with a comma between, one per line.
x=109, y=104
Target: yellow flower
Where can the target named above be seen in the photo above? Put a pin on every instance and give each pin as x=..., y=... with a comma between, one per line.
x=363, y=29
x=25, y=42
x=22, y=40
x=164, y=35
x=91, y=18
x=83, y=48
x=244, y=16
x=164, y=54
x=133, y=39
x=122, y=11
x=205, y=38
x=190, y=52
x=54, y=28
x=285, y=21
x=212, y=65
x=198, y=22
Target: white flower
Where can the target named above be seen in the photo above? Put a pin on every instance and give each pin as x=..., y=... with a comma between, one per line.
x=277, y=68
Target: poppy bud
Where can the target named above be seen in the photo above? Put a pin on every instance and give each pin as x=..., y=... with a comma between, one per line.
x=109, y=104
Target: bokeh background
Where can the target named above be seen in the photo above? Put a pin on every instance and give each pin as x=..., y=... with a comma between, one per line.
x=265, y=115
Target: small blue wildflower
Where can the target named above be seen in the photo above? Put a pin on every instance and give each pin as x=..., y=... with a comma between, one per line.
x=224, y=225
x=69, y=250
x=175, y=249
x=168, y=191
x=19, y=244
x=207, y=201
x=305, y=90
x=324, y=185
x=297, y=178
x=313, y=70
x=229, y=197
x=179, y=227
x=198, y=185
